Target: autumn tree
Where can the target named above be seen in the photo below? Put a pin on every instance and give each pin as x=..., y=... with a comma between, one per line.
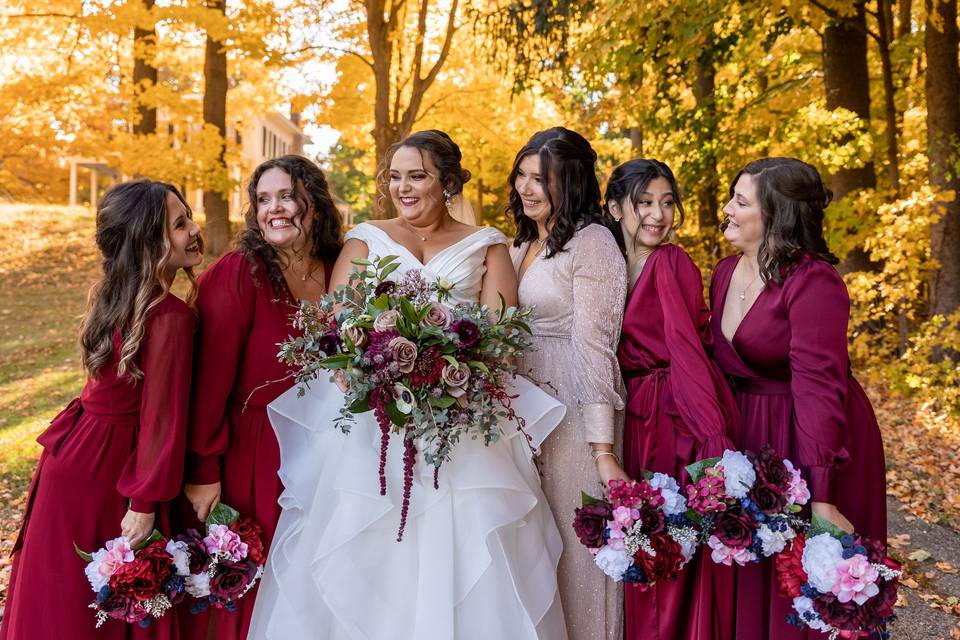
x=943, y=134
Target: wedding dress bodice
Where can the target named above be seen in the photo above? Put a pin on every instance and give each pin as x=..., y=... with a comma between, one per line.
x=463, y=263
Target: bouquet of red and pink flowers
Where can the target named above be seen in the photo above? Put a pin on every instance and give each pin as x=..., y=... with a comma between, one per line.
x=431, y=372
x=226, y=563
x=841, y=584
x=747, y=504
x=640, y=535
x=135, y=584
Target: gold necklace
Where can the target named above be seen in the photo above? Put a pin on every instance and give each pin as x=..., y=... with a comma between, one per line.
x=743, y=292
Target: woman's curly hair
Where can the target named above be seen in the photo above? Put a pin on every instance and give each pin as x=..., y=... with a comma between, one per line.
x=312, y=194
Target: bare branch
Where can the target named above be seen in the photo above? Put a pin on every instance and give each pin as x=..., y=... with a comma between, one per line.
x=314, y=47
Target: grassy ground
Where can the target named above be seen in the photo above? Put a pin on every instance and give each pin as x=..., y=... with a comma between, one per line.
x=48, y=262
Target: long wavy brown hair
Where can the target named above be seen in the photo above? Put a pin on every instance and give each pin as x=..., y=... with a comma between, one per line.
x=792, y=200
x=132, y=237
x=312, y=195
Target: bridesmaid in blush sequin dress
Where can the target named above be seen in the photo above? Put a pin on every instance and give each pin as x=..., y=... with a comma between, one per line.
x=246, y=302
x=113, y=458
x=679, y=408
x=780, y=326
x=573, y=273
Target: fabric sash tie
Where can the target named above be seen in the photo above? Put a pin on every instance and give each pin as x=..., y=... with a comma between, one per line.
x=66, y=421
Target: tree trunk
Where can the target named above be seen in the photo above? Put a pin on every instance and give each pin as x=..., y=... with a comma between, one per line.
x=940, y=43
x=904, y=18
x=709, y=183
x=885, y=24
x=846, y=83
x=215, y=206
x=636, y=141
x=144, y=72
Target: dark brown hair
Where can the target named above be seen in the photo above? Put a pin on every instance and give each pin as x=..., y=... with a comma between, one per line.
x=132, y=238
x=312, y=195
x=630, y=180
x=443, y=151
x=568, y=175
x=792, y=200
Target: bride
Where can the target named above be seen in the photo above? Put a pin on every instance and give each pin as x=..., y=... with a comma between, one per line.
x=479, y=555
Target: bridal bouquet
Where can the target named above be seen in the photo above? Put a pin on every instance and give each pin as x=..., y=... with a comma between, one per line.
x=747, y=504
x=641, y=534
x=843, y=585
x=429, y=371
x=221, y=567
x=135, y=584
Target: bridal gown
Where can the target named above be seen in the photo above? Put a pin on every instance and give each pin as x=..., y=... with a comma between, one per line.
x=479, y=555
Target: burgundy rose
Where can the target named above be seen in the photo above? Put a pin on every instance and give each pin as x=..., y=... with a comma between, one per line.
x=467, y=332
x=232, y=579
x=387, y=286
x=330, y=343
x=196, y=550
x=651, y=520
x=143, y=578
x=252, y=535
x=790, y=573
x=770, y=468
x=733, y=527
x=666, y=564
x=122, y=608
x=879, y=609
x=843, y=615
x=590, y=521
x=768, y=497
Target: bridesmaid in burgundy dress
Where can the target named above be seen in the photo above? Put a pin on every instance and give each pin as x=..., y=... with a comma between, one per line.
x=246, y=301
x=780, y=327
x=114, y=456
x=679, y=407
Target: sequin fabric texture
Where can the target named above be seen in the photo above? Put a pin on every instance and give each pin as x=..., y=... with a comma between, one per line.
x=579, y=296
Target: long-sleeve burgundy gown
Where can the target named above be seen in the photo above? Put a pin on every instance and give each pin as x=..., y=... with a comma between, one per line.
x=121, y=441
x=791, y=373
x=237, y=374
x=679, y=410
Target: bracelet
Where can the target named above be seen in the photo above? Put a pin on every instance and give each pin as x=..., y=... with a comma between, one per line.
x=597, y=454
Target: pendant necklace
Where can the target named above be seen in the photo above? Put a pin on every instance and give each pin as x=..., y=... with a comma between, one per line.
x=743, y=292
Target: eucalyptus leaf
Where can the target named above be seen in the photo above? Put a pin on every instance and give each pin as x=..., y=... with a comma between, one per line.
x=443, y=402
x=586, y=499
x=87, y=557
x=820, y=525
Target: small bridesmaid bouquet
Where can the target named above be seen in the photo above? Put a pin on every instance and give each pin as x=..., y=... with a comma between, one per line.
x=223, y=565
x=747, y=504
x=641, y=534
x=843, y=585
x=135, y=584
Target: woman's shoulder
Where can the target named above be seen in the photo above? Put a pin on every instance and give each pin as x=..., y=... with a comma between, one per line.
x=675, y=257
x=594, y=236
x=809, y=267
x=172, y=308
x=487, y=235
x=230, y=265
x=365, y=230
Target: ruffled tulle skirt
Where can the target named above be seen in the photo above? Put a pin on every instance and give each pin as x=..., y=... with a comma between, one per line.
x=479, y=555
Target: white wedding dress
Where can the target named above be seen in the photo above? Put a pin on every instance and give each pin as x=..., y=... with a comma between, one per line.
x=478, y=557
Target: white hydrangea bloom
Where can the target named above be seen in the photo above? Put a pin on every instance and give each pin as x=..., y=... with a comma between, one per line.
x=772, y=541
x=181, y=559
x=198, y=584
x=804, y=605
x=612, y=562
x=821, y=555
x=738, y=473
x=674, y=502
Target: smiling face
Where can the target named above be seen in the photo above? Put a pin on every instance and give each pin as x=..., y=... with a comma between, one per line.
x=530, y=187
x=186, y=246
x=743, y=227
x=279, y=215
x=415, y=187
x=648, y=220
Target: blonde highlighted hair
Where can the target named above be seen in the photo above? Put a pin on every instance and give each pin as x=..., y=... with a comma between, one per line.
x=133, y=240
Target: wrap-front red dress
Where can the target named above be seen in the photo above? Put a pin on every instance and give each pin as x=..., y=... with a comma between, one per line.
x=242, y=320
x=679, y=410
x=791, y=373
x=120, y=442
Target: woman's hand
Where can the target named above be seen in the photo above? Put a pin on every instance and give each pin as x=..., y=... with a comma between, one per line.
x=608, y=468
x=831, y=514
x=203, y=497
x=136, y=526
